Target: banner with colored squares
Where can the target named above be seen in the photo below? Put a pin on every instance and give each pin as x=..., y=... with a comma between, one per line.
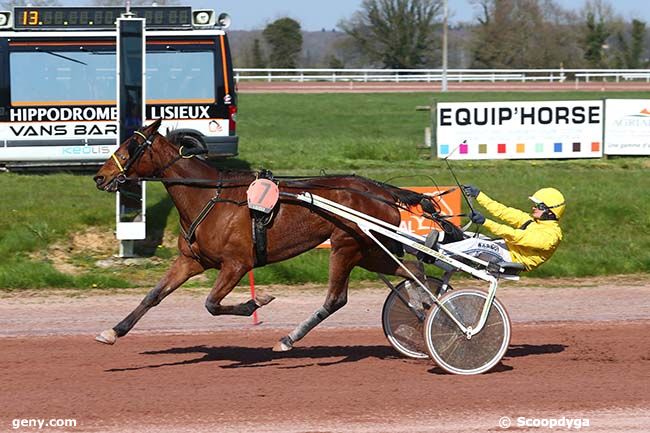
x=520, y=130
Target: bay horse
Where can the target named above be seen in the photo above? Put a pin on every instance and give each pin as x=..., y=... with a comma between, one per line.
x=221, y=236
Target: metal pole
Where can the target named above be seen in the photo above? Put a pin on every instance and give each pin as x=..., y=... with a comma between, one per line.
x=131, y=83
x=445, y=12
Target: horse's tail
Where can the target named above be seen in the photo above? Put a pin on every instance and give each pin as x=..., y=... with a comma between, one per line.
x=453, y=233
x=407, y=197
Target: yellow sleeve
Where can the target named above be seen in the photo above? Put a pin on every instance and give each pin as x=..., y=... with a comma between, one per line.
x=541, y=239
x=507, y=214
x=500, y=230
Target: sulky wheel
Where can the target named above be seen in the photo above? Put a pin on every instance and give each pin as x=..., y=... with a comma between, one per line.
x=402, y=327
x=451, y=349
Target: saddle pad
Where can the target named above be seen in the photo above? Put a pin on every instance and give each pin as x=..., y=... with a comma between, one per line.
x=262, y=195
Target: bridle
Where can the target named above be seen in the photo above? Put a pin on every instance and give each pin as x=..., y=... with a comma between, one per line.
x=133, y=155
x=139, y=150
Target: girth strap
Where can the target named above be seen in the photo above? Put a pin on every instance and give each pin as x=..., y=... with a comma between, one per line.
x=259, y=222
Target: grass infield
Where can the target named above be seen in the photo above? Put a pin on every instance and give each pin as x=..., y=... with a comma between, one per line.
x=375, y=135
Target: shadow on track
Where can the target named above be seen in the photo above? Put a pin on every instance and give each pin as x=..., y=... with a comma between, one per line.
x=242, y=357
x=323, y=356
x=516, y=351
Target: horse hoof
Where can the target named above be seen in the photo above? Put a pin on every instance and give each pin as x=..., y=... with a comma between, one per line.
x=284, y=345
x=107, y=337
x=263, y=299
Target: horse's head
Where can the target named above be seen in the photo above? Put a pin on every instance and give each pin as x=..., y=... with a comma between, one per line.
x=133, y=157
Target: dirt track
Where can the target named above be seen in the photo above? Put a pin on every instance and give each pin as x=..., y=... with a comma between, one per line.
x=577, y=353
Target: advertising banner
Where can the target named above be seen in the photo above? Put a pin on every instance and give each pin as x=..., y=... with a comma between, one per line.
x=520, y=130
x=414, y=222
x=627, y=127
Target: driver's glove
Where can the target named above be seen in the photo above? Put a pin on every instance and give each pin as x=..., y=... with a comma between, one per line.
x=477, y=217
x=471, y=190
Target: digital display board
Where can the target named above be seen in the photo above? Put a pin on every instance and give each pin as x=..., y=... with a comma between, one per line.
x=48, y=18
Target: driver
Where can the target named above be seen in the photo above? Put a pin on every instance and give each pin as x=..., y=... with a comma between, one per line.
x=531, y=238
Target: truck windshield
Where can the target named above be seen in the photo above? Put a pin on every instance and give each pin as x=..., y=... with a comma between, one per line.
x=65, y=77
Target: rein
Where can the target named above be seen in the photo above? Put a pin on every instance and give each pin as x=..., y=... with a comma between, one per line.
x=236, y=183
x=286, y=181
x=292, y=182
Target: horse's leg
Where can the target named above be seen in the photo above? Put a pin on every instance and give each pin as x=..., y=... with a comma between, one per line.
x=342, y=260
x=229, y=276
x=376, y=260
x=182, y=269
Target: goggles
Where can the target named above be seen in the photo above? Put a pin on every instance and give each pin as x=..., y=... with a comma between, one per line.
x=543, y=207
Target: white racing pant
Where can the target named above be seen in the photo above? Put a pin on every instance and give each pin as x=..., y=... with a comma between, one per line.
x=485, y=249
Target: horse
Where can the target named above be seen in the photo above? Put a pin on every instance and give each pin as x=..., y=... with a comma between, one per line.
x=216, y=226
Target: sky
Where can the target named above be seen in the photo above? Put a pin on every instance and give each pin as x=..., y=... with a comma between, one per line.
x=315, y=15
x=319, y=14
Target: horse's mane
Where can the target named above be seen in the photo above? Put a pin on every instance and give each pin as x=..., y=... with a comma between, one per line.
x=181, y=138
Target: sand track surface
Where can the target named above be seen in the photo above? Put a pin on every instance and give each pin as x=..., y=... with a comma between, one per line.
x=579, y=355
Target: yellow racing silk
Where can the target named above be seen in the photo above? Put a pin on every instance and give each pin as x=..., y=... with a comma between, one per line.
x=531, y=246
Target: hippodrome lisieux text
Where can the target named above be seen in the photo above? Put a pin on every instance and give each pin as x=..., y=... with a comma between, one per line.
x=109, y=113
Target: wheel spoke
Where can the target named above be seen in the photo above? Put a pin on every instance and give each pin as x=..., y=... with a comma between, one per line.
x=450, y=348
x=401, y=325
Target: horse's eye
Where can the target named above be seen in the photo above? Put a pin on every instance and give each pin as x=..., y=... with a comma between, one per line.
x=123, y=157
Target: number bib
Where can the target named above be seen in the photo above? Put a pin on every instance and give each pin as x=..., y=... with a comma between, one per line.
x=262, y=195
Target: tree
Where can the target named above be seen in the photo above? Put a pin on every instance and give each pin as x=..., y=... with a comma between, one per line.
x=399, y=34
x=595, y=41
x=284, y=37
x=257, y=55
x=634, y=59
x=334, y=62
x=631, y=52
x=598, y=21
x=500, y=41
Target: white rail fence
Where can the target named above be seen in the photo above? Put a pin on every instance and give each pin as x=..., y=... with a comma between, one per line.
x=436, y=75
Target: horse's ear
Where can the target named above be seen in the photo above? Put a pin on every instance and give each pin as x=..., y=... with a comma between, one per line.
x=154, y=126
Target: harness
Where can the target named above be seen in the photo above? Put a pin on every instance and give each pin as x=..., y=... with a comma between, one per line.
x=261, y=217
x=260, y=220
x=189, y=234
